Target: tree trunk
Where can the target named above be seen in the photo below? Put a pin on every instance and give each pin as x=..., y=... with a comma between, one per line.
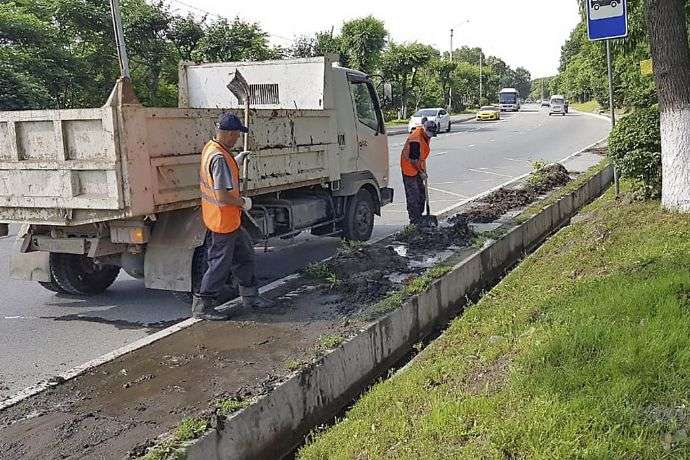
x=671, y=56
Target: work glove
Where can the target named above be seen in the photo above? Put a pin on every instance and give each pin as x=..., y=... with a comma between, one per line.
x=247, y=203
x=423, y=175
x=241, y=156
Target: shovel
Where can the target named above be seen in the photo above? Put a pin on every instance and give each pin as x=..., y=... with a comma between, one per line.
x=428, y=220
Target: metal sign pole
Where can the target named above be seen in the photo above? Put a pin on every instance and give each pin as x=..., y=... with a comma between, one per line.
x=120, y=38
x=612, y=106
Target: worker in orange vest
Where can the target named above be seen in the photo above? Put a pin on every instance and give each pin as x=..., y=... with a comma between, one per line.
x=229, y=247
x=413, y=165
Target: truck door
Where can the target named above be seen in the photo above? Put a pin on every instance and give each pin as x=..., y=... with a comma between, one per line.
x=371, y=139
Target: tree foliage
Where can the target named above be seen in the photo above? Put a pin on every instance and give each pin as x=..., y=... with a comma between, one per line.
x=61, y=53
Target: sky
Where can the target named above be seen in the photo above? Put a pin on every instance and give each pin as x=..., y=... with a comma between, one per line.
x=526, y=33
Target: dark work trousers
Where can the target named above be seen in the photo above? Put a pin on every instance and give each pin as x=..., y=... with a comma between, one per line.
x=415, y=194
x=228, y=253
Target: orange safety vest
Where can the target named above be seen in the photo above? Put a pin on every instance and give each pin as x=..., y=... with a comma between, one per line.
x=406, y=165
x=218, y=217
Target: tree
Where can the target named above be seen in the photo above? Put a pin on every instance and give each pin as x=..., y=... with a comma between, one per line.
x=671, y=56
x=236, y=41
x=362, y=41
x=401, y=64
x=186, y=33
x=523, y=81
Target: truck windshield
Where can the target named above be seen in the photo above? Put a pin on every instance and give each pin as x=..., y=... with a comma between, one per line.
x=508, y=98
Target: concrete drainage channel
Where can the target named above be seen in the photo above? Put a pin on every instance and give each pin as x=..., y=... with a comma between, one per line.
x=276, y=424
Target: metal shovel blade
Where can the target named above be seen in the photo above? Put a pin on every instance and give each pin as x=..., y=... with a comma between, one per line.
x=239, y=87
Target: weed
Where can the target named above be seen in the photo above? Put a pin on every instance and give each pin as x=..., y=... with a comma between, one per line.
x=293, y=365
x=191, y=428
x=188, y=430
x=228, y=407
x=414, y=286
x=330, y=341
x=351, y=245
x=407, y=232
x=319, y=271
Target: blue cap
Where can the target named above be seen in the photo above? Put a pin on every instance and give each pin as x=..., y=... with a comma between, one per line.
x=230, y=122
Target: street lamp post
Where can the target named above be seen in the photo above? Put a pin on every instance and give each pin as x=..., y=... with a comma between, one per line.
x=450, y=90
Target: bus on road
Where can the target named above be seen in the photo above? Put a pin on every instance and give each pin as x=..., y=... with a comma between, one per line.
x=509, y=100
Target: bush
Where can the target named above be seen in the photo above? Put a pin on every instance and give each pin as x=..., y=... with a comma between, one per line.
x=635, y=148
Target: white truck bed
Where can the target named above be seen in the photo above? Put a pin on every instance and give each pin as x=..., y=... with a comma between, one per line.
x=74, y=167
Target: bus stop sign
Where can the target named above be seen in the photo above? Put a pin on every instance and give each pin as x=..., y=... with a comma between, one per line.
x=607, y=19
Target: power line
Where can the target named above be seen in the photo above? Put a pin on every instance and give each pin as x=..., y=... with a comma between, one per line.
x=220, y=16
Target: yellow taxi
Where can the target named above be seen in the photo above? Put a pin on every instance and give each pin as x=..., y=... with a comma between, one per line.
x=488, y=113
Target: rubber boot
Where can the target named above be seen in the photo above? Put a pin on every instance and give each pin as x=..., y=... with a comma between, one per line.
x=205, y=308
x=252, y=299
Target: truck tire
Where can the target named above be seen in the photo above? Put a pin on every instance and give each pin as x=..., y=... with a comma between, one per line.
x=359, y=217
x=79, y=275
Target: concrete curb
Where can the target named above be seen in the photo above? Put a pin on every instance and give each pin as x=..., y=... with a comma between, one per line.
x=276, y=424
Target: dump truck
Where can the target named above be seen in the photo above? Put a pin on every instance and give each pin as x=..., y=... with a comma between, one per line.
x=101, y=190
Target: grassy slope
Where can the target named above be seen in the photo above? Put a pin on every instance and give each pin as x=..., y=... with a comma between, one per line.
x=591, y=106
x=582, y=352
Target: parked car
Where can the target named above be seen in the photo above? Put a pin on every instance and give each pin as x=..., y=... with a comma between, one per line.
x=488, y=113
x=439, y=116
x=557, y=106
x=545, y=103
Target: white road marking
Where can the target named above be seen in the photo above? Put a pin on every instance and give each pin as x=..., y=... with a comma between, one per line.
x=447, y=192
x=517, y=161
x=490, y=172
x=438, y=154
x=471, y=146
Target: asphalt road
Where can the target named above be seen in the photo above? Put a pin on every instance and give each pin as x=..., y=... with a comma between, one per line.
x=42, y=334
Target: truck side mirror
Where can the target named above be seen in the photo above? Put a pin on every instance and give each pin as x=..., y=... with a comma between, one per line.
x=387, y=92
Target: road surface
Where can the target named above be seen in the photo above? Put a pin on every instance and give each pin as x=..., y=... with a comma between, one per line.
x=42, y=334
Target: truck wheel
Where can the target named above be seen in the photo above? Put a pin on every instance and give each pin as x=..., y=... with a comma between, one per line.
x=79, y=275
x=53, y=287
x=359, y=217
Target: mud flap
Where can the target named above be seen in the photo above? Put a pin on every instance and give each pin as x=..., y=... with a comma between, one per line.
x=169, y=254
x=31, y=266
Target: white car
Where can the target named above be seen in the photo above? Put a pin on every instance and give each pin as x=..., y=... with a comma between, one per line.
x=439, y=116
x=557, y=106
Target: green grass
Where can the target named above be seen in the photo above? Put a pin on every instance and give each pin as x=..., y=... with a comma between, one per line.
x=188, y=430
x=228, y=407
x=591, y=106
x=330, y=341
x=396, y=123
x=583, y=351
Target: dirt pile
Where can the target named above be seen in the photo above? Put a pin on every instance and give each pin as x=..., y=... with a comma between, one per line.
x=360, y=275
x=505, y=199
x=549, y=177
x=437, y=238
x=349, y=262
x=497, y=204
